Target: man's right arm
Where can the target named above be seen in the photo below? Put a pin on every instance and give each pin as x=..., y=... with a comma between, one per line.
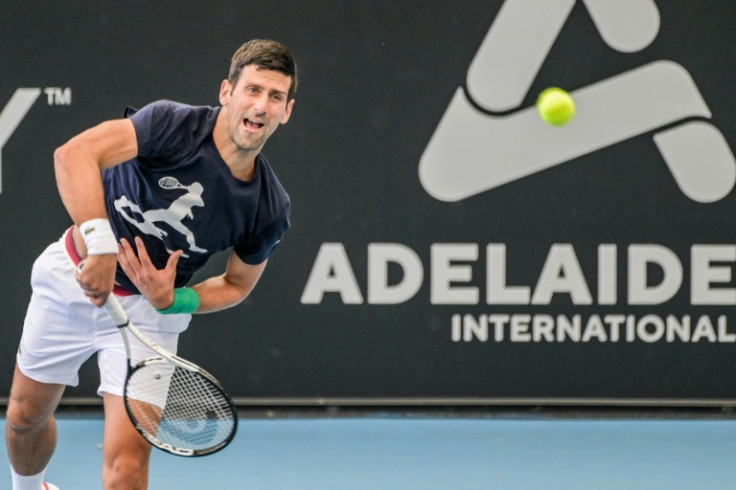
x=78, y=165
x=79, y=161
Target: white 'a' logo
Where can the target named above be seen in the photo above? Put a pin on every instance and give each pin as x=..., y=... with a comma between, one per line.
x=472, y=151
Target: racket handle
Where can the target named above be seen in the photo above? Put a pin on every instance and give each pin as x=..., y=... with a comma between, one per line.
x=112, y=306
x=115, y=310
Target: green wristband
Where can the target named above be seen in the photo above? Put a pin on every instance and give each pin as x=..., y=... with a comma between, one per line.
x=186, y=300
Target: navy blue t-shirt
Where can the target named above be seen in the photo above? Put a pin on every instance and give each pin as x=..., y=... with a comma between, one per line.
x=178, y=194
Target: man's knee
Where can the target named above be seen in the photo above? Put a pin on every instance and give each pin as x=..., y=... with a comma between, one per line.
x=127, y=470
x=23, y=416
x=31, y=404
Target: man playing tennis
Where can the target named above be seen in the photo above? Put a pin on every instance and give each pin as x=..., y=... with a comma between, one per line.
x=152, y=196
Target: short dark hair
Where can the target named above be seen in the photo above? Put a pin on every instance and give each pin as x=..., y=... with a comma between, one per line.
x=267, y=55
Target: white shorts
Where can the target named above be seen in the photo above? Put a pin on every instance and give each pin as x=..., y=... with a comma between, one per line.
x=63, y=328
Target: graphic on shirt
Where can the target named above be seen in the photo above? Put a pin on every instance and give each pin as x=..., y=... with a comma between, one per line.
x=474, y=150
x=174, y=215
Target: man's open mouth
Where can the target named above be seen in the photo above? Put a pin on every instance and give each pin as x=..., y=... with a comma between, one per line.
x=254, y=125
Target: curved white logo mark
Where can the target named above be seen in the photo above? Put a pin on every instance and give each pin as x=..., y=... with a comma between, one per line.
x=13, y=113
x=472, y=151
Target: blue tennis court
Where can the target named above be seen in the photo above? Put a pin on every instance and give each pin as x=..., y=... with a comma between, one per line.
x=425, y=453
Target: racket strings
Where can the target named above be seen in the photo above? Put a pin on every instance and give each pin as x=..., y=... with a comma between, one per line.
x=178, y=407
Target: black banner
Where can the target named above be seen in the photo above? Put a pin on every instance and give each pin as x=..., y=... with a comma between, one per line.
x=446, y=243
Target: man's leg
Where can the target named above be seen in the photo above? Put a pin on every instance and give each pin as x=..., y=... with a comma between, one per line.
x=126, y=453
x=30, y=430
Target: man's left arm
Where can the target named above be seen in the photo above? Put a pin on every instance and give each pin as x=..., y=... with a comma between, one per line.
x=230, y=288
x=215, y=293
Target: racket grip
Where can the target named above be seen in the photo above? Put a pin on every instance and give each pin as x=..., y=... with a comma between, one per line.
x=115, y=310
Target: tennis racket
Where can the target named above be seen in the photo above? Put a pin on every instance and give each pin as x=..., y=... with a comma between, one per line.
x=170, y=183
x=176, y=405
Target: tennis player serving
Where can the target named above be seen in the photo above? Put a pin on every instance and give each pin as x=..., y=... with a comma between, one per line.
x=152, y=196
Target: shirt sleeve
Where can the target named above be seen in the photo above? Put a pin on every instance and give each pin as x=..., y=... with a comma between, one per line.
x=164, y=129
x=262, y=245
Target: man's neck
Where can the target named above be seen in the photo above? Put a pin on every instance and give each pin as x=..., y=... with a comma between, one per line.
x=241, y=163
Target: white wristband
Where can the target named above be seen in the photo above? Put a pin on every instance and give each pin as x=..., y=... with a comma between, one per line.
x=98, y=237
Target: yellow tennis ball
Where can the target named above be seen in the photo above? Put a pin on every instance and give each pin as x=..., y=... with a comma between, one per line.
x=555, y=106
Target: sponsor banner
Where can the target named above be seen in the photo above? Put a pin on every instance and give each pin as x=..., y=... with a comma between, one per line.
x=446, y=244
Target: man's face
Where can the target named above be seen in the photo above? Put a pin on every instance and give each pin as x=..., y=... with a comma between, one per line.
x=255, y=106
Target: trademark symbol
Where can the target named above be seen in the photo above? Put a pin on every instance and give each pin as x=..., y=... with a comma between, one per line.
x=58, y=95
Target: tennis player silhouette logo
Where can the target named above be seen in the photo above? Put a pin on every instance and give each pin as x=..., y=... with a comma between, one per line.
x=474, y=149
x=173, y=216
